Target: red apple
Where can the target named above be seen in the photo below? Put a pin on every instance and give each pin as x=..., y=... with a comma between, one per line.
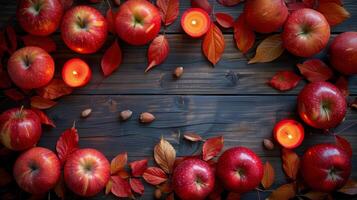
x=321, y=105
x=86, y=172
x=239, y=169
x=37, y=170
x=20, y=128
x=137, y=22
x=306, y=32
x=31, y=67
x=265, y=16
x=84, y=29
x=343, y=53
x=66, y=4
x=193, y=179
x=325, y=167
x=39, y=17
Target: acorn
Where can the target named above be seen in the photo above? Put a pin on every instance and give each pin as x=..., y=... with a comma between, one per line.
x=146, y=117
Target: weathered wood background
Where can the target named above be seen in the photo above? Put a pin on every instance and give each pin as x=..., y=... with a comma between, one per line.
x=232, y=99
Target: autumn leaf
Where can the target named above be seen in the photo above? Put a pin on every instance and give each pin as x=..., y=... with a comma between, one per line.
x=154, y=176
x=334, y=13
x=268, y=50
x=108, y=186
x=165, y=187
x=111, y=59
x=158, y=51
x=110, y=16
x=14, y=94
x=315, y=70
x=284, y=192
x=269, y=175
x=229, y=2
x=165, y=155
x=43, y=117
x=344, y=144
x=213, y=44
x=60, y=188
x=123, y=174
x=138, y=167
x=212, y=147
x=225, y=20
x=291, y=163
x=41, y=103
x=120, y=187
x=244, y=36
x=136, y=185
x=66, y=4
x=203, y=4
x=292, y=6
x=316, y=195
x=55, y=89
x=6, y=177
x=67, y=144
x=44, y=42
x=349, y=188
x=284, y=80
x=118, y=163
x=233, y=196
x=193, y=137
x=342, y=84
x=169, y=10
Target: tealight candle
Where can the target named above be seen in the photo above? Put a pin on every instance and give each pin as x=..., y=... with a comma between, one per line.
x=76, y=73
x=289, y=133
x=195, y=22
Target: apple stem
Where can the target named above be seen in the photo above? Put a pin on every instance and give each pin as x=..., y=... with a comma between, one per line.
x=74, y=124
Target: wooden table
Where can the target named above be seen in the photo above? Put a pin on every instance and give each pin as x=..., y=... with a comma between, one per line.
x=232, y=99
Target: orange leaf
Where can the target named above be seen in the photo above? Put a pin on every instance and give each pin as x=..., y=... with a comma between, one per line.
x=225, y=20
x=67, y=144
x=213, y=44
x=55, y=89
x=349, y=188
x=315, y=70
x=283, y=192
x=154, y=175
x=109, y=186
x=269, y=175
x=243, y=34
x=192, y=137
x=268, y=50
x=118, y=163
x=316, y=195
x=14, y=94
x=46, y=43
x=165, y=155
x=344, y=144
x=169, y=10
x=334, y=13
x=291, y=163
x=233, y=196
x=284, y=80
x=41, y=103
x=165, y=187
x=120, y=187
x=43, y=117
x=212, y=147
x=138, y=167
x=229, y=2
x=136, y=185
x=203, y=4
x=342, y=84
x=158, y=51
x=112, y=59
x=6, y=177
x=123, y=174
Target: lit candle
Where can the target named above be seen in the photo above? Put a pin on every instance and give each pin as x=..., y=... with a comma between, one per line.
x=76, y=73
x=195, y=22
x=289, y=133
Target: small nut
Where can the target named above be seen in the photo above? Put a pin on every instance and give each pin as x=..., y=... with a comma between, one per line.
x=86, y=112
x=125, y=114
x=178, y=72
x=157, y=194
x=268, y=144
x=146, y=117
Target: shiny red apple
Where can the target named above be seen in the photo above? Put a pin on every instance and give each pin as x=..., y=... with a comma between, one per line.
x=193, y=179
x=39, y=17
x=343, y=53
x=37, y=170
x=239, y=169
x=265, y=16
x=137, y=22
x=84, y=29
x=306, y=32
x=31, y=67
x=325, y=167
x=20, y=128
x=321, y=105
x=86, y=172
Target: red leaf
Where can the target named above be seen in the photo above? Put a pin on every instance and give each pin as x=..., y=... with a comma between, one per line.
x=67, y=144
x=284, y=80
x=203, y=4
x=120, y=187
x=169, y=10
x=5, y=81
x=192, y=137
x=344, y=144
x=225, y=20
x=213, y=44
x=291, y=163
x=41, y=103
x=212, y=147
x=12, y=41
x=154, y=175
x=111, y=59
x=233, y=196
x=136, y=185
x=158, y=51
x=14, y=94
x=110, y=16
x=46, y=43
x=138, y=167
x=334, y=13
x=44, y=118
x=123, y=174
x=342, y=84
x=55, y=89
x=243, y=34
x=229, y=2
x=315, y=70
x=118, y=163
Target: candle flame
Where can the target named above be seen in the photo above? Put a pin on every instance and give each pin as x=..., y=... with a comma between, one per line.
x=290, y=136
x=74, y=72
x=193, y=22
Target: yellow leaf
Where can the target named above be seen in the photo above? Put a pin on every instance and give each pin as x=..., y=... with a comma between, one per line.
x=268, y=50
x=283, y=192
x=165, y=155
